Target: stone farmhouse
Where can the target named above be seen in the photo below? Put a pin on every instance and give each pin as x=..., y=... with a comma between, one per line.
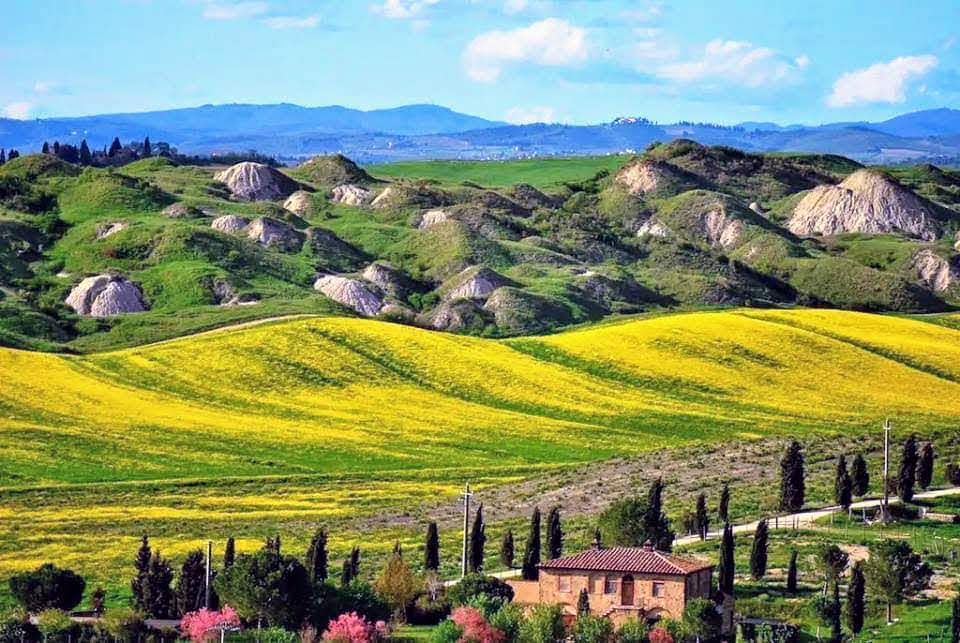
x=621, y=583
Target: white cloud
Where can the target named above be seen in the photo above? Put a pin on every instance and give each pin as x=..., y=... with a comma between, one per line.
x=234, y=10
x=292, y=22
x=44, y=87
x=511, y=7
x=523, y=115
x=551, y=42
x=402, y=9
x=19, y=110
x=735, y=62
x=880, y=83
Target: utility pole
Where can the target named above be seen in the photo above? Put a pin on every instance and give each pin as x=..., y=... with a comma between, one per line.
x=466, y=495
x=884, y=511
x=206, y=596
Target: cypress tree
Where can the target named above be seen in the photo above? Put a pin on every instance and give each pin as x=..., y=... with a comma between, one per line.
x=792, y=573
x=860, y=476
x=583, y=603
x=56, y=148
x=758, y=554
x=141, y=564
x=397, y=549
x=723, y=507
x=955, y=621
x=46, y=148
x=115, y=147
x=842, y=484
x=85, y=157
x=836, y=628
x=554, y=534
x=925, y=466
x=346, y=573
x=531, y=554
x=191, y=585
x=317, y=557
x=506, y=549
x=355, y=562
x=727, y=564
x=158, y=594
x=906, y=477
x=13, y=154
x=856, y=594
x=146, y=147
x=478, y=539
x=656, y=525
x=431, y=548
x=229, y=553
x=701, y=517
x=3, y=156
x=792, y=483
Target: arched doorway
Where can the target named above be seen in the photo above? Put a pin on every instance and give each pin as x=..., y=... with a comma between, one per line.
x=626, y=590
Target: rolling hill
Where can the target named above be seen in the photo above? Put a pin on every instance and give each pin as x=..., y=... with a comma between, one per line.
x=285, y=425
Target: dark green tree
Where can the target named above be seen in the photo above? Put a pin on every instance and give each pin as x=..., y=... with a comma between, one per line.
x=506, y=549
x=267, y=587
x=531, y=553
x=317, y=557
x=836, y=613
x=925, y=466
x=147, y=151
x=832, y=561
x=158, y=595
x=85, y=157
x=47, y=587
x=98, y=601
x=895, y=572
x=141, y=564
x=955, y=621
x=701, y=621
x=355, y=562
x=346, y=573
x=229, y=553
x=723, y=506
x=191, y=584
x=478, y=541
x=3, y=156
x=45, y=149
x=842, y=484
x=554, y=534
x=701, y=521
x=792, y=478
x=727, y=567
x=13, y=154
x=792, y=573
x=656, y=525
x=856, y=598
x=860, y=476
x=431, y=548
x=115, y=147
x=758, y=554
x=583, y=602
x=907, y=475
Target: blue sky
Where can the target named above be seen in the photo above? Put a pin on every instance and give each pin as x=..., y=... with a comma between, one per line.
x=519, y=60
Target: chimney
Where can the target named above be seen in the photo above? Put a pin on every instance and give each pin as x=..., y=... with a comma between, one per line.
x=648, y=546
x=595, y=545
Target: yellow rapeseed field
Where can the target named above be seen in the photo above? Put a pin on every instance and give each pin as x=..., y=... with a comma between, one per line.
x=285, y=426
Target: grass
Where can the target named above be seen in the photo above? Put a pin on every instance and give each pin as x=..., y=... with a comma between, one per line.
x=548, y=173
x=281, y=427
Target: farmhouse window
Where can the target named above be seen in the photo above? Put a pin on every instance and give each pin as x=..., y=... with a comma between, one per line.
x=610, y=585
x=563, y=583
x=658, y=590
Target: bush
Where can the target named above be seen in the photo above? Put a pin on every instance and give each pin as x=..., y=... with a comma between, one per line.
x=122, y=624
x=592, y=629
x=545, y=625
x=427, y=611
x=474, y=626
x=953, y=474
x=54, y=623
x=48, y=587
x=446, y=632
x=508, y=620
x=632, y=631
x=358, y=596
x=18, y=630
x=474, y=585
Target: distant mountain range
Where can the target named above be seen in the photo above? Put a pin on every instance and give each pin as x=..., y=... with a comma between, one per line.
x=433, y=132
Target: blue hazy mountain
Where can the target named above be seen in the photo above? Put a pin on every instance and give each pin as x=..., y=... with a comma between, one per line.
x=434, y=132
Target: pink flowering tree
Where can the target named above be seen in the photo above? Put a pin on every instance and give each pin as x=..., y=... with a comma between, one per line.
x=475, y=627
x=204, y=624
x=353, y=628
x=660, y=635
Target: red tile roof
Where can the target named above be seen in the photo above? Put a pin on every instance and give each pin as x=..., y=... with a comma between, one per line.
x=632, y=560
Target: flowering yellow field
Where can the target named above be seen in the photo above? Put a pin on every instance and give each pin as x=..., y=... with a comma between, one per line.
x=285, y=426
